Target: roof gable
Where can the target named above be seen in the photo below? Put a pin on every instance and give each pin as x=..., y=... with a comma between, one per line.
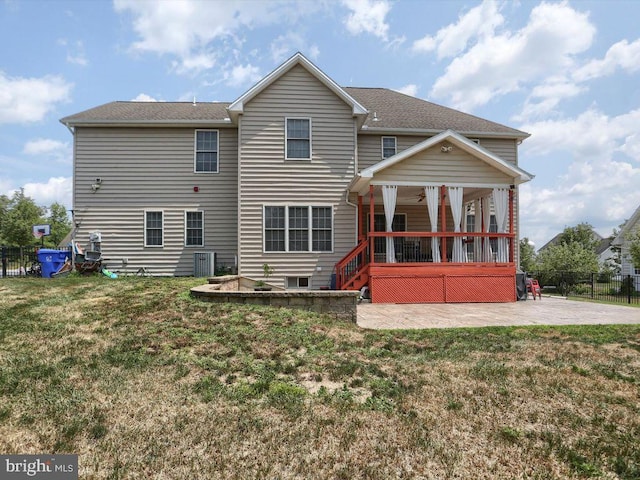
x=629, y=226
x=519, y=175
x=237, y=107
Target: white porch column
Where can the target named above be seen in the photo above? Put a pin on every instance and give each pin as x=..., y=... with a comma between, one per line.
x=501, y=205
x=432, y=194
x=455, y=199
x=486, y=218
x=477, y=241
x=389, y=196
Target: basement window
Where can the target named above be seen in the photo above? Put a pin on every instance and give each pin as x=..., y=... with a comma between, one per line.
x=297, y=282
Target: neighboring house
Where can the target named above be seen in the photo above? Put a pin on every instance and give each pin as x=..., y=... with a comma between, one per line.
x=603, y=249
x=358, y=186
x=622, y=241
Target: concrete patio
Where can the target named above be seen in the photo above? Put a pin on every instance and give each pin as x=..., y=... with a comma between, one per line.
x=548, y=311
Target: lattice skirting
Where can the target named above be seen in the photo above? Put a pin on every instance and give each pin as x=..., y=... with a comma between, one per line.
x=443, y=288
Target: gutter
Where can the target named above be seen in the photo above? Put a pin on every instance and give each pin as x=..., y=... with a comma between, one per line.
x=431, y=131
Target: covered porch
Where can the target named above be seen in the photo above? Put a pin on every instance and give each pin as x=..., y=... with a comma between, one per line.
x=423, y=241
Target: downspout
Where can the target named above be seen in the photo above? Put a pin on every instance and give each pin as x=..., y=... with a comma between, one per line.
x=238, y=258
x=355, y=172
x=74, y=226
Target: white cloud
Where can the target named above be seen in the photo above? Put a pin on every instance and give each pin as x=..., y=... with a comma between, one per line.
x=622, y=55
x=195, y=62
x=368, y=16
x=143, y=97
x=241, y=75
x=501, y=64
x=544, y=98
x=25, y=100
x=600, y=186
x=56, y=189
x=591, y=135
x=480, y=21
x=410, y=89
x=45, y=146
x=199, y=34
x=286, y=45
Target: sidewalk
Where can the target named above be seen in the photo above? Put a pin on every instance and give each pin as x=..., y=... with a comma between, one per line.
x=548, y=311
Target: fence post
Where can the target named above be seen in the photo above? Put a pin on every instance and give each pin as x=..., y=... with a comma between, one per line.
x=630, y=285
x=593, y=285
x=4, y=261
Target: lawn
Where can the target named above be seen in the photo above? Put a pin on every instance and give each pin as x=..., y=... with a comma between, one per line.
x=144, y=382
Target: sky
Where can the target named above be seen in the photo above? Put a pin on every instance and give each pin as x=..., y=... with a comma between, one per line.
x=568, y=73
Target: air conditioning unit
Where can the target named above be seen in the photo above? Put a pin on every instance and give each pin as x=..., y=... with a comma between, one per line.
x=204, y=264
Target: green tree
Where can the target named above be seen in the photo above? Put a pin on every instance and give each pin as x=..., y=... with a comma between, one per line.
x=18, y=221
x=527, y=256
x=565, y=264
x=582, y=233
x=60, y=223
x=4, y=208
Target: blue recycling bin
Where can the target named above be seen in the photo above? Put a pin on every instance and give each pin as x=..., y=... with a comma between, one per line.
x=52, y=260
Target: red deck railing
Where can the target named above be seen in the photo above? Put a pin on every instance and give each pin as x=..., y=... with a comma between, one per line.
x=415, y=247
x=352, y=266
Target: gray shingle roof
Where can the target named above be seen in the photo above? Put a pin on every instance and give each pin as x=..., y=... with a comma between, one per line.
x=395, y=110
x=142, y=112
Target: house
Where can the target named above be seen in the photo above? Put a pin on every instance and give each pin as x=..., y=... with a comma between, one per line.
x=622, y=241
x=357, y=186
x=603, y=249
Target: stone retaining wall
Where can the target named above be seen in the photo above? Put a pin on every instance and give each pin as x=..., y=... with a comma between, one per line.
x=341, y=304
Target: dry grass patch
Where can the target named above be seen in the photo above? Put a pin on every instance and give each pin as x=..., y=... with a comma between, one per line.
x=144, y=382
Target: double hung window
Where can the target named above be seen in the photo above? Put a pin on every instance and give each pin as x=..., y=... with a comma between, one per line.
x=206, y=151
x=194, y=229
x=298, y=229
x=298, y=139
x=153, y=229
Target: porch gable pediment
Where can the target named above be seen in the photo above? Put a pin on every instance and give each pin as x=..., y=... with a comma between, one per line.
x=504, y=171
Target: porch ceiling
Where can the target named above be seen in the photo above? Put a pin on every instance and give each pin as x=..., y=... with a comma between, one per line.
x=413, y=195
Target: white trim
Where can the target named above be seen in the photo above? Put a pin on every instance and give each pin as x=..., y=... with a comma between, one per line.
x=310, y=229
x=144, y=228
x=286, y=139
x=195, y=149
x=185, y=228
x=395, y=146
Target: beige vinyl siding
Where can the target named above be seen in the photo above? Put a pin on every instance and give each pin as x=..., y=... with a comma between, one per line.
x=266, y=178
x=506, y=149
x=153, y=169
x=447, y=168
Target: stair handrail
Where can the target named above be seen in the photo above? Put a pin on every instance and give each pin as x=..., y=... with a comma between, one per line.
x=344, y=277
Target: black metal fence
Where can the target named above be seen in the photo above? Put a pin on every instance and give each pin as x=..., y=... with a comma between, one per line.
x=596, y=286
x=19, y=261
